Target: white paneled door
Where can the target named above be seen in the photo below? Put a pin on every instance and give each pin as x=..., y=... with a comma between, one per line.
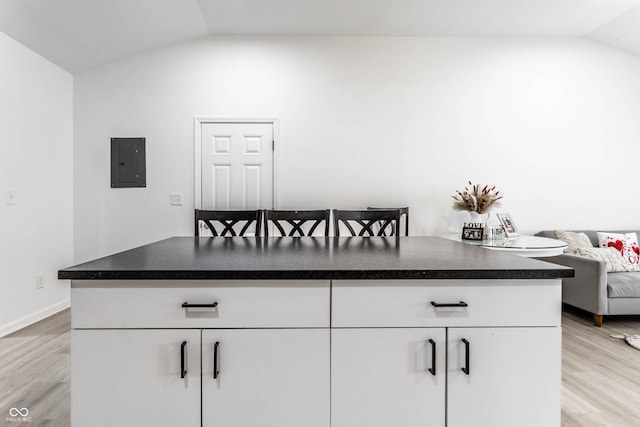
x=236, y=165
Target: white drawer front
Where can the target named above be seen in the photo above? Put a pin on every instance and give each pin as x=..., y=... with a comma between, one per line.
x=407, y=303
x=240, y=304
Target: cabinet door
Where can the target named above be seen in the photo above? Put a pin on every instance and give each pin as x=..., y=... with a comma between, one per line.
x=513, y=377
x=380, y=377
x=143, y=368
x=265, y=378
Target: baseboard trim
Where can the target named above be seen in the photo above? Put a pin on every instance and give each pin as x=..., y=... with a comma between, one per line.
x=30, y=319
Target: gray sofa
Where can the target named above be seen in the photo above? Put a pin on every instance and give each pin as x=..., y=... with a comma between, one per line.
x=593, y=289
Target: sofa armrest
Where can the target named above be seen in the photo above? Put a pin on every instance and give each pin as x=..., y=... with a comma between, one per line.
x=588, y=288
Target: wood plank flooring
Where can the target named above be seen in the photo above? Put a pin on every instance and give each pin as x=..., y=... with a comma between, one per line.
x=600, y=374
x=600, y=379
x=34, y=373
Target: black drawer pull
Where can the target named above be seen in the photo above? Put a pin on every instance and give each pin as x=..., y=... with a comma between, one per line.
x=187, y=305
x=451, y=304
x=466, y=369
x=216, y=359
x=432, y=369
x=183, y=367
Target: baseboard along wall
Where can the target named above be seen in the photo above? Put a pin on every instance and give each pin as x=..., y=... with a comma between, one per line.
x=32, y=318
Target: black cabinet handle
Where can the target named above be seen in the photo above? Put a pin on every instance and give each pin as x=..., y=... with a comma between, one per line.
x=453, y=304
x=216, y=359
x=187, y=305
x=466, y=369
x=183, y=367
x=432, y=369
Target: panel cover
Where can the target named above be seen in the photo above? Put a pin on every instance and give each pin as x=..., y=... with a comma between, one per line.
x=128, y=165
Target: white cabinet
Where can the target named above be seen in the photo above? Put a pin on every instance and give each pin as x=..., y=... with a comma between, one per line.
x=135, y=378
x=272, y=354
x=388, y=377
x=505, y=334
x=513, y=377
x=408, y=303
x=265, y=377
x=101, y=304
x=382, y=376
x=316, y=354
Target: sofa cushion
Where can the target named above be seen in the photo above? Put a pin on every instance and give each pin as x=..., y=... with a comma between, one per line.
x=613, y=258
x=580, y=244
x=625, y=243
x=623, y=285
x=592, y=234
x=575, y=241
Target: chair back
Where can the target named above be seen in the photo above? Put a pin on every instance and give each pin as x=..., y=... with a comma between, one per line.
x=404, y=212
x=366, y=223
x=229, y=223
x=296, y=223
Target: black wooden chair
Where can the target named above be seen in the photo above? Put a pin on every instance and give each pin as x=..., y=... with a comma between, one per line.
x=296, y=223
x=403, y=212
x=229, y=223
x=367, y=223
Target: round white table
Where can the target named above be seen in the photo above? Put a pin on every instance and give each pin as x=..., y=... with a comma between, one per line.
x=528, y=246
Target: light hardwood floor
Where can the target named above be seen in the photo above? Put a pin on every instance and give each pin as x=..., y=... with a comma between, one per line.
x=600, y=378
x=34, y=373
x=600, y=374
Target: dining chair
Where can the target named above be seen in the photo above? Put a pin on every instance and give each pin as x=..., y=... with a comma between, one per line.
x=367, y=223
x=403, y=212
x=229, y=223
x=296, y=223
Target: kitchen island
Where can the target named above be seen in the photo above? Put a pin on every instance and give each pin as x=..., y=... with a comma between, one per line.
x=340, y=332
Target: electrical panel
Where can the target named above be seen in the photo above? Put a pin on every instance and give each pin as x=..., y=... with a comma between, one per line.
x=128, y=164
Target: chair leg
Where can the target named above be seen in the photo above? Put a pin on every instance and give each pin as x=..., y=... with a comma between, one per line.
x=597, y=320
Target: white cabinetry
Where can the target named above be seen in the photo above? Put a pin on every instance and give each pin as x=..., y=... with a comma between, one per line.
x=271, y=358
x=265, y=377
x=316, y=354
x=510, y=353
x=513, y=380
x=388, y=377
x=134, y=378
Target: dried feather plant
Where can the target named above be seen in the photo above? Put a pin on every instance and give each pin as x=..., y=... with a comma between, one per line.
x=478, y=199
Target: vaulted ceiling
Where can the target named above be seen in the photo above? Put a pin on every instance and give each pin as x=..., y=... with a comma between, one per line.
x=82, y=34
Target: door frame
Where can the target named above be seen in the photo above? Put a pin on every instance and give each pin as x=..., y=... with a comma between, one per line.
x=198, y=121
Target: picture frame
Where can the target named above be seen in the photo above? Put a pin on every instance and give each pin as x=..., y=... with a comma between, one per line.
x=473, y=231
x=510, y=228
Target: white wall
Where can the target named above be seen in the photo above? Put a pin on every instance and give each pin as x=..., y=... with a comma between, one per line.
x=36, y=161
x=552, y=122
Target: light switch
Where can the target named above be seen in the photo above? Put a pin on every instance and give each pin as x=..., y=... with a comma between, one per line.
x=11, y=197
x=175, y=199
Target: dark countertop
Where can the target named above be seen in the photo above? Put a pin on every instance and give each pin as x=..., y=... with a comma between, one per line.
x=305, y=258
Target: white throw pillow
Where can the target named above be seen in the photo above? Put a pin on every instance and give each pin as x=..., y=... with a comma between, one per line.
x=575, y=241
x=613, y=258
x=626, y=244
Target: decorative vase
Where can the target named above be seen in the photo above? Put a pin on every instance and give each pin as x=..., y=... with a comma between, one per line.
x=477, y=218
x=490, y=231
